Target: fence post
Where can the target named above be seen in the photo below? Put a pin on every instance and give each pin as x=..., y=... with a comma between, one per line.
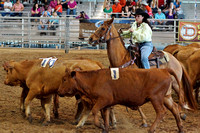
x=22, y=32
x=175, y=30
x=67, y=35
x=29, y=32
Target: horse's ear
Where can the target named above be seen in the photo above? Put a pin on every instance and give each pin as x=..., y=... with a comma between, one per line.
x=111, y=21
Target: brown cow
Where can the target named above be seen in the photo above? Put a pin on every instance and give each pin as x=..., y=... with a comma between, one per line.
x=42, y=82
x=134, y=88
x=189, y=56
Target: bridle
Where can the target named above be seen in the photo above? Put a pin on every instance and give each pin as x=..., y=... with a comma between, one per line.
x=102, y=39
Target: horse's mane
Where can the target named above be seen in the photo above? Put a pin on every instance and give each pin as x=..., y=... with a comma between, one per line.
x=119, y=35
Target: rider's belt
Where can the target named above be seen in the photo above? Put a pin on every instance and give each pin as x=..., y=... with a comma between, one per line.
x=144, y=42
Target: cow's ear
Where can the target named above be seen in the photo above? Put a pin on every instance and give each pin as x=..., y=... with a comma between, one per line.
x=73, y=74
x=7, y=66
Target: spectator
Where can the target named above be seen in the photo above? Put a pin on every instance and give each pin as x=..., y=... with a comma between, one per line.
x=122, y=3
x=35, y=11
x=64, y=4
x=53, y=4
x=7, y=8
x=131, y=5
x=44, y=22
x=59, y=9
x=147, y=8
x=82, y=15
x=18, y=8
x=71, y=7
x=1, y=4
x=125, y=12
x=107, y=10
x=53, y=23
x=170, y=15
x=177, y=8
x=159, y=16
x=46, y=8
x=117, y=9
x=169, y=5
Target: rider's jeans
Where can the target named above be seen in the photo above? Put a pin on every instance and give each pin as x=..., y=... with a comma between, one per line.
x=146, y=49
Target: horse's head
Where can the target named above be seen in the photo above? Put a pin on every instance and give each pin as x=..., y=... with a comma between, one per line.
x=101, y=34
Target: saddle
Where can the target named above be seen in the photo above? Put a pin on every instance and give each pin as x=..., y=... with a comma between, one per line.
x=155, y=56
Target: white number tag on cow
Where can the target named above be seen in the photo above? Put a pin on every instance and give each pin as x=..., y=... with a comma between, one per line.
x=114, y=73
x=51, y=61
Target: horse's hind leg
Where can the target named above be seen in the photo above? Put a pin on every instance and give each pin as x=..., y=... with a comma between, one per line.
x=173, y=107
x=160, y=112
x=180, y=93
x=144, y=121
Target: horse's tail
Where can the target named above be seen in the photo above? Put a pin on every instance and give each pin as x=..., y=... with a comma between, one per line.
x=188, y=89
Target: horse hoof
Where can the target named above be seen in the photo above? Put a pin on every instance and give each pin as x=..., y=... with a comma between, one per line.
x=144, y=125
x=183, y=117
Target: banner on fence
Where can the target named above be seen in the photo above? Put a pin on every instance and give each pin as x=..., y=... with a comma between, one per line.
x=189, y=32
x=87, y=27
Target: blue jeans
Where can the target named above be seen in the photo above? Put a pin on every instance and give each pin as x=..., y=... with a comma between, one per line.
x=5, y=13
x=68, y=11
x=146, y=49
x=40, y=27
x=16, y=14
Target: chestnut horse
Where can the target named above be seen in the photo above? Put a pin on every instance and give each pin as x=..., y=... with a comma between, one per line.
x=119, y=56
x=190, y=57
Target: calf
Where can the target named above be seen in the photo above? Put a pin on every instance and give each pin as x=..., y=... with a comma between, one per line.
x=42, y=82
x=134, y=88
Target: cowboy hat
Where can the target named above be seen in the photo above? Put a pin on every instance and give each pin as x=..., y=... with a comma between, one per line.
x=144, y=3
x=139, y=11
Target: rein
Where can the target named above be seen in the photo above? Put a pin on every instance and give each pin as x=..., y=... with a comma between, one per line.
x=131, y=62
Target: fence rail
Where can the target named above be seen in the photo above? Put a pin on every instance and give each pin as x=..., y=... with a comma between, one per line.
x=23, y=32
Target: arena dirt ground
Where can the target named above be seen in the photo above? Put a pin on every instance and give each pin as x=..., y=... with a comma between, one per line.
x=11, y=120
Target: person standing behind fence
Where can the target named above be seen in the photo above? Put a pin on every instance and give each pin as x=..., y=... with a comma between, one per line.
x=44, y=23
x=18, y=8
x=7, y=8
x=72, y=7
x=59, y=9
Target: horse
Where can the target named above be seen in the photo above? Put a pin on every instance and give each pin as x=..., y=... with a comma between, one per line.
x=119, y=56
x=189, y=56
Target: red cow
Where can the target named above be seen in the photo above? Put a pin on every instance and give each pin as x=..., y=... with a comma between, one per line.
x=134, y=88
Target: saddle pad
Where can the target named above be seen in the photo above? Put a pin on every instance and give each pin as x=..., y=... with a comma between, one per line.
x=50, y=61
x=114, y=73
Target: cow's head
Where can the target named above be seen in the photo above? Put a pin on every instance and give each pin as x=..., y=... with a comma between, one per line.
x=11, y=77
x=68, y=84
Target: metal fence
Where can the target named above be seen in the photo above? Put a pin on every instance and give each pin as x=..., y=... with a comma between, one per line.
x=23, y=32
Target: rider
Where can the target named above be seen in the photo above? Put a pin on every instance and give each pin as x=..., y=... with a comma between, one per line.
x=142, y=35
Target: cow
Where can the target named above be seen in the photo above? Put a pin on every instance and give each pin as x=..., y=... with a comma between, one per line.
x=42, y=82
x=134, y=88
